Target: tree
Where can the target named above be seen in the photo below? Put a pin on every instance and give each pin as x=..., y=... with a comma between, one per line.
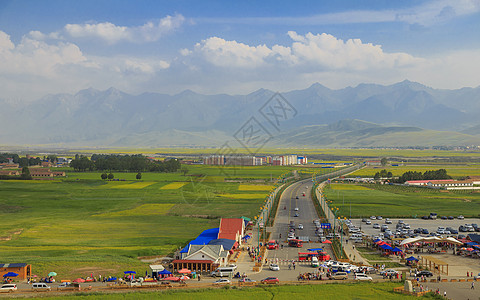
x=389, y=175
x=104, y=176
x=377, y=176
x=26, y=174
x=111, y=176
x=184, y=170
x=139, y=176
x=384, y=161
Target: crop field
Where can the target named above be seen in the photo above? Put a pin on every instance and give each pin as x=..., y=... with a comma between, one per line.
x=256, y=187
x=82, y=224
x=454, y=170
x=400, y=201
x=361, y=290
x=347, y=187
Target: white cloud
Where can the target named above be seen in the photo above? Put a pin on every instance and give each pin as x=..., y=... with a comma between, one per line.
x=112, y=33
x=307, y=51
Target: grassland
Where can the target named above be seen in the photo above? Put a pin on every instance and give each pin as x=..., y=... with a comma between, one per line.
x=349, y=291
x=454, y=170
x=399, y=201
x=82, y=224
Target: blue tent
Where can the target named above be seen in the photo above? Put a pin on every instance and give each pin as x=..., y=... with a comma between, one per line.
x=377, y=240
x=396, y=250
x=471, y=243
x=10, y=274
x=386, y=247
x=315, y=249
x=165, y=272
x=412, y=258
x=203, y=239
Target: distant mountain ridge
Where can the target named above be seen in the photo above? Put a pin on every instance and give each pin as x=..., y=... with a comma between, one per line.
x=370, y=114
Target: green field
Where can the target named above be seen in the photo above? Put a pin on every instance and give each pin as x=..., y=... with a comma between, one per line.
x=454, y=170
x=82, y=224
x=348, y=291
x=400, y=201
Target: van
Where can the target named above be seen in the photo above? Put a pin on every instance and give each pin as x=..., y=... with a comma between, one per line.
x=39, y=287
x=223, y=271
x=339, y=276
x=315, y=263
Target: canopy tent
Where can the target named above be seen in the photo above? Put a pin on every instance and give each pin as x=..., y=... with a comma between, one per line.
x=172, y=278
x=79, y=280
x=386, y=247
x=165, y=272
x=326, y=242
x=247, y=237
x=430, y=239
x=396, y=250
x=130, y=272
x=471, y=243
x=315, y=249
x=52, y=274
x=10, y=274
x=377, y=240
x=184, y=271
x=412, y=258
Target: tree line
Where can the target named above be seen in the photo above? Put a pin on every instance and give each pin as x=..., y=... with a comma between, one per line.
x=123, y=163
x=415, y=175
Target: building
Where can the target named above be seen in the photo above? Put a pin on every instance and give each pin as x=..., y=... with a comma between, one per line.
x=240, y=160
x=23, y=270
x=9, y=166
x=45, y=173
x=202, y=258
x=373, y=162
x=232, y=229
x=444, y=183
x=9, y=172
x=474, y=179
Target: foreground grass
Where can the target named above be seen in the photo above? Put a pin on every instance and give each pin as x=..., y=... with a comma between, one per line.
x=399, y=201
x=314, y=291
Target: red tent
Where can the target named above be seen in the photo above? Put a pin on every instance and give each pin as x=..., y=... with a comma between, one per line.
x=326, y=242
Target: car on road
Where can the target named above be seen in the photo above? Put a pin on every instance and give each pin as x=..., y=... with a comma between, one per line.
x=300, y=226
x=246, y=280
x=296, y=208
x=270, y=280
x=339, y=276
x=296, y=215
x=376, y=226
x=424, y=273
x=8, y=288
x=368, y=222
x=362, y=276
x=222, y=281
x=296, y=197
x=274, y=267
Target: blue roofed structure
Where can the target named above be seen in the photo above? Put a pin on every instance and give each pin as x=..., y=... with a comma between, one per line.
x=203, y=238
x=226, y=243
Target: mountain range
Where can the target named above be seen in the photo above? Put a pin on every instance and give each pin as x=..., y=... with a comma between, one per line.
x=402, y=114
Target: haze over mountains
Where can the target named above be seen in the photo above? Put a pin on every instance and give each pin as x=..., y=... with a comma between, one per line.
x=402, y=114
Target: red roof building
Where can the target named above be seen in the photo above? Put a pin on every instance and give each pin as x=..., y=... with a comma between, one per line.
x=232, y=229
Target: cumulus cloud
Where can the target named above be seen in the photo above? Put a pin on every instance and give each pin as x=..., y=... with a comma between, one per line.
x=111, y=33
x=310, y=50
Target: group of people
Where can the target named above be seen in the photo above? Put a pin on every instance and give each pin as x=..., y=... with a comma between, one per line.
x=314, y=276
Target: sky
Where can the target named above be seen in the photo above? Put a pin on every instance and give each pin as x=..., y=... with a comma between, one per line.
x=234, y=47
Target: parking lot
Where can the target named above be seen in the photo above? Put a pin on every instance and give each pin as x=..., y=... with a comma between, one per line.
x=430, y=225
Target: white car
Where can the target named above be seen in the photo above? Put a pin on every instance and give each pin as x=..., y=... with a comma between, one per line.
x=368, y=222
x=373, y=218
x=8, y=288
x=362, y=276
x=222, y=281
x=300, y=226
x=274, y=267
x=296, y=208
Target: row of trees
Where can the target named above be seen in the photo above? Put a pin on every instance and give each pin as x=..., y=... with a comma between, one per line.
x=415, y=175
x=110, y=176
x=22, y=161
x=383, y=174
x=123, y=163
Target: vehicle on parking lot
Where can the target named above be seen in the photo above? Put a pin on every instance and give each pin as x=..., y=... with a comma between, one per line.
x=270, y=280
x=274, y=267
x=460, y=217
x=425, y=217
x=379, y=217
x=296, y=208
x=373, y=218
x=376, y=226
x=388, y=221
x=406, y=226
x=368, y=222
x=8, y=288
x=296, y=215
x=432, y=216
x=425, y=231
x=441, y=230
x=389, y=272
x=295, y=243
x=443, y=217
x=383, y=227
x=450, y=217
x=362, y=276
x=222, y=281
x=300, y=226
x=424, y=273
x=364, y=220
x=246, y=280
x=339, y=276
x=272, y=245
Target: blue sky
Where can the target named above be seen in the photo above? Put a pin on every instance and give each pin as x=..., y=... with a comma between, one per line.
x=234, y=47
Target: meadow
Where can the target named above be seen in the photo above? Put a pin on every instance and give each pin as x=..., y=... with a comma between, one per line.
x=453, y=169
x=361, y=290
x=82, y=224
x=400, y=201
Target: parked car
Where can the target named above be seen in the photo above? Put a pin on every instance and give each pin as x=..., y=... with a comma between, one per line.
x=37, y=287
x=373, y=218
x=300, y=226
x=424, y=273
x=362, y=276
x=222, y=281
x=388, y=221
x=376, y=226
x=452, y=231
x=379, y=217
x=296, y=208
x=296, y=215
x=425, y=231
x=368, y=222
x=364, y=220
x=274, y=267
x=424, y=217
x=246, y=280
x=389, y=272
x=460, y=217
x=339, y=276
x=8, y=288
x=270, y=280
x=450, y=217
x=443, y=217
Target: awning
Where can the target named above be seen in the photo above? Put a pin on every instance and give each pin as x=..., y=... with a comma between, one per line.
x=165, y=272
x=412, y=258
x=315, y=249
x=396, y=250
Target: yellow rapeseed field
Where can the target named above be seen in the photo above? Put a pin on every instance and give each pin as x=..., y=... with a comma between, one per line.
x=136, y=185
x=254, y=187
x=173, y=186
x=244, y=196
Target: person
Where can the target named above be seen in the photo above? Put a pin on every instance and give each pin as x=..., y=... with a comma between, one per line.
x=473, y=285
x=198, y=277
x=445, y=294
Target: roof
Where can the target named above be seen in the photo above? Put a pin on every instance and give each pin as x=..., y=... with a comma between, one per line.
x=14, y=265
x=193, y=261
x=226, y=243
x=203, y=238
x=474, y=237
x=229, y=225
x=156, y=268
x=214, y=251
x=228, y=236
x=427, y=181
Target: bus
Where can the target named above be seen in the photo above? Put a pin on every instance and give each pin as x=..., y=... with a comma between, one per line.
x=295, y=243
